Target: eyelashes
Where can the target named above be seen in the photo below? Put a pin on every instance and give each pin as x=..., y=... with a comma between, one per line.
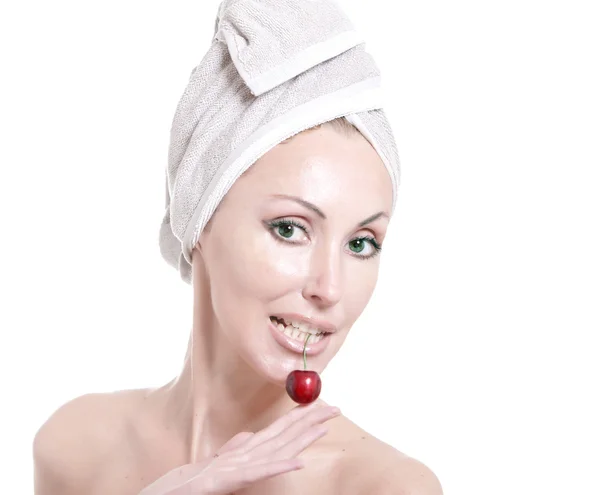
x=292, y=223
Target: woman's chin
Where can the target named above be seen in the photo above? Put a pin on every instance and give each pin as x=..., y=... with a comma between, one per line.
x=274, y=360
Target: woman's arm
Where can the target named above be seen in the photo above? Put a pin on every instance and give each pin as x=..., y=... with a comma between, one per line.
x=61, y=450
x=47, y=476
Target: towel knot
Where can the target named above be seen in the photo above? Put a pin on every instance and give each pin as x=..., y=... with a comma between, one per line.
x=272, y=41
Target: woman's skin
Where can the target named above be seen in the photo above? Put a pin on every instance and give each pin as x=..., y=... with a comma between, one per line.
x=234, y=373
x=244, y=271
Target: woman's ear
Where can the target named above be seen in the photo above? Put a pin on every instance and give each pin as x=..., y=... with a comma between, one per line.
x=198, y=248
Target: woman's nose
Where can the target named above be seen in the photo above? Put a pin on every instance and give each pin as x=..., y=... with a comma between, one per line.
x=324, y=283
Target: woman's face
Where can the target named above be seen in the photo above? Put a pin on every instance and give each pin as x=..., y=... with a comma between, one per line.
x=259, y=265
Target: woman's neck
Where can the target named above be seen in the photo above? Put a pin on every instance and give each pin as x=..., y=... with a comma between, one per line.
x=217, y=395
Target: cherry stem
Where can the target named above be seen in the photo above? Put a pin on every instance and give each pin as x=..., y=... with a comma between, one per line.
x=304, y=352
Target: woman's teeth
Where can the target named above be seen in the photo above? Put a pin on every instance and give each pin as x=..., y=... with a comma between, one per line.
x=295, y=333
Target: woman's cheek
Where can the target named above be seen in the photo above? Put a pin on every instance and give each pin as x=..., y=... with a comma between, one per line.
x=359, y=288
x=279, y=260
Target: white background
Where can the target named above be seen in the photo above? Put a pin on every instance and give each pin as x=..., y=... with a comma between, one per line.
x=478, y=353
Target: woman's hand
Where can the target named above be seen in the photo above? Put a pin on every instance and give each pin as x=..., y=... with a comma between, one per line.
x=249, y=457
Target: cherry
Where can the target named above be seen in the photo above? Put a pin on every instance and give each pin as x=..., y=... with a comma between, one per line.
x=303, y=386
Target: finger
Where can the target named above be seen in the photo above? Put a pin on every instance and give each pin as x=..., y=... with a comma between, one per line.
x=175, y=480
x=279, y=425
x=315, y=417
x=253, y=473
x=230, y=479
x=297, y=445
x=235, y=441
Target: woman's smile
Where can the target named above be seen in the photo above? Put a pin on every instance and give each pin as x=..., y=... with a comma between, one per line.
x=294, y=339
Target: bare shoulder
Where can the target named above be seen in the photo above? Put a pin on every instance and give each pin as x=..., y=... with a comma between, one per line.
x=72, y=444
x=404, y=475
x=373, y=467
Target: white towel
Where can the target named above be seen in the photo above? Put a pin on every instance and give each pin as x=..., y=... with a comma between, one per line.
x=274, y=69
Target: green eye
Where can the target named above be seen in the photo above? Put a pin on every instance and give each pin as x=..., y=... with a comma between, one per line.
x=357, y=245
x=285, y=230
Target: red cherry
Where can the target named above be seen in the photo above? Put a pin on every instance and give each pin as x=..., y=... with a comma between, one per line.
x=303, y=386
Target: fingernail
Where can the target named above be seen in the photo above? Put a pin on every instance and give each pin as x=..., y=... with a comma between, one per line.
x=335, y=410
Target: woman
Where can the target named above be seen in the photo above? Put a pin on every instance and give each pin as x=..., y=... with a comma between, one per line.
x=294, y=239
x=263, y=254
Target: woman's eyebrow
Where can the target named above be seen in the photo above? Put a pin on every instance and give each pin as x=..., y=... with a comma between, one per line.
x=318, y=211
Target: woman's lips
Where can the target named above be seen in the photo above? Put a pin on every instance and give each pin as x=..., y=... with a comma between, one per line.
x=296, y=346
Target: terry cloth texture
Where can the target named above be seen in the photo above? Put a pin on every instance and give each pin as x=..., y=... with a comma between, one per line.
x=274, y=68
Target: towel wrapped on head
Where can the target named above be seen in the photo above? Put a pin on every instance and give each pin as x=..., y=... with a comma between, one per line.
x=274, y=68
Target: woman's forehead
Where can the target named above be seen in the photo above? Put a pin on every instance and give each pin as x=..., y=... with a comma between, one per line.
x=321, y=156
